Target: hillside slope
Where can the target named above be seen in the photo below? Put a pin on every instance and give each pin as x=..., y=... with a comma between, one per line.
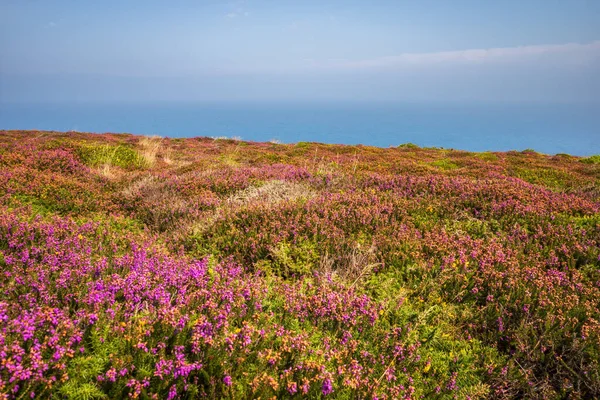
x=218, y=268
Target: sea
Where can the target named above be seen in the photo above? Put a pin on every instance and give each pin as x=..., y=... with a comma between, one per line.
x=546, y=128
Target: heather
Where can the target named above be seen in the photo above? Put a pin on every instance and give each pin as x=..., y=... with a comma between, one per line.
x=217, y=268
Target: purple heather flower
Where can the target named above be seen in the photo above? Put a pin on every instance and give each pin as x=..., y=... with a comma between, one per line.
x=172, y=392
x=227, y=380
x=327, y=387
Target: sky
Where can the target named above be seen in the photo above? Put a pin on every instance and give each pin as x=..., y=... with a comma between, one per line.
x=310, y=50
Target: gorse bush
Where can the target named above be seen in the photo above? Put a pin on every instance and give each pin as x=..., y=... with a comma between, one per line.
x=201, y=268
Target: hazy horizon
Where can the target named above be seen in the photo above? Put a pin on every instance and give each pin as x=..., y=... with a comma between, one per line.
x=260, y=51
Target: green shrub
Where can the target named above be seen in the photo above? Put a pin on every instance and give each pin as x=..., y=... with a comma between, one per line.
x=553, y=178
x=595, y=159
x=487, y=156
x=303, y=145
x=529, y=151
x=408, y=146
x=38, y=207
x=74, y=390
x=294, y=259
x=444, y=164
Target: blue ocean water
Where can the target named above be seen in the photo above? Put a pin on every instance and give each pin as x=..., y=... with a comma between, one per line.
x=550, y=129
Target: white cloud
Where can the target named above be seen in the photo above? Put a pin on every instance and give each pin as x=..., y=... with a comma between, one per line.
x=570, y=52
x=237, y=9
x=574, y=56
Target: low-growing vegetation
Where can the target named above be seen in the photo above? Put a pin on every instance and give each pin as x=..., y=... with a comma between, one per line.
x=216, y=268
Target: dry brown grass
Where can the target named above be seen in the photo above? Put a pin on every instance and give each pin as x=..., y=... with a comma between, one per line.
x=150, y=148
x=271, y=192
x=106, y=171
x=168, y=156
x=147, y=181
x=353, y=266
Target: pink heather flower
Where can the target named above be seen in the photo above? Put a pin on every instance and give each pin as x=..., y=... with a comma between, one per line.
x=142, y=346
x=292, y=387
x=227, y=380
x=305, y=387
x=452, y=383
x=111, y=375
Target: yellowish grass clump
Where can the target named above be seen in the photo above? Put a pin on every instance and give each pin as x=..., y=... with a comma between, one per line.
x=106, y=171
x=150, y=148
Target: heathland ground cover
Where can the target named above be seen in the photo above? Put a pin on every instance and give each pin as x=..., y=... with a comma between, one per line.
x=218, y=268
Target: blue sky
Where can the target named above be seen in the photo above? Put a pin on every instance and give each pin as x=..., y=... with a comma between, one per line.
x=462, y=50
